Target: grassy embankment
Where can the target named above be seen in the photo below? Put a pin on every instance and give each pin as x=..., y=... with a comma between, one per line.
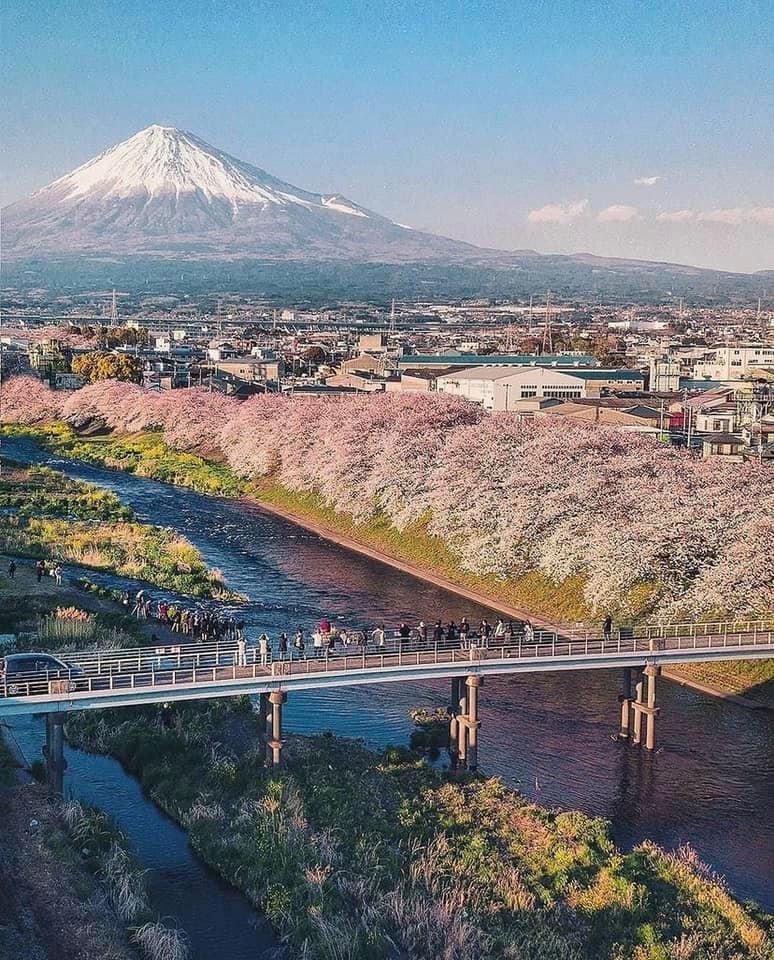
x=363, y=856
x=147, y=455
x=68, y=884
x=44, y=514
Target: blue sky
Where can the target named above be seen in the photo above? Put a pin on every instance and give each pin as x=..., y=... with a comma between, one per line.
x=506, y=124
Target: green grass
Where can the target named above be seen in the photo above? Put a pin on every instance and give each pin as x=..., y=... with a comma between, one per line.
x=145, y=454
x=370, y=856
x=49, y=516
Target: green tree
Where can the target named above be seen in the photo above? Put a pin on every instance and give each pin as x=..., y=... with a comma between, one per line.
x=101, y=365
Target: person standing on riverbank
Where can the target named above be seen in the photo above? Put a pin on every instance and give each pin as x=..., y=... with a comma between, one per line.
x=12, y=569
x=58, y=575
x=40, y=569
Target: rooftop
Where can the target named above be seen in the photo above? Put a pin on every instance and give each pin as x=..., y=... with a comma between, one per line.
x=502, y=359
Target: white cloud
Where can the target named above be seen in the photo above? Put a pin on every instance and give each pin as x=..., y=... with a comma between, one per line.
x=563, y=213
x=738, y=215
x=647, y=181
x=676, y=216
x=617, y=213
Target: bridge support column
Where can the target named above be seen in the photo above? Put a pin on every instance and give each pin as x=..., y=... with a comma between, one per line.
x=644, y=705
x=276, y=699
x=454, y=725
x=472, y=722
x=651, y=672
x=54, y=752
x=636, y=706
x=626, y=700
x=462, y=724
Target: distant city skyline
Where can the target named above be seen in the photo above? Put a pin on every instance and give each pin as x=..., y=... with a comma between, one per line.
x=640, y=131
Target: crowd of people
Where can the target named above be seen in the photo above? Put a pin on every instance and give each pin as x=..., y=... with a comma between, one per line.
x=42, y=569
x=207, y=625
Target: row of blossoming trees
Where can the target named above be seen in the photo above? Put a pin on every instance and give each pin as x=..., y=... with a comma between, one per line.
x=624, y=512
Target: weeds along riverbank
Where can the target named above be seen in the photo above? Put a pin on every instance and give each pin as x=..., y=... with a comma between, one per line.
x=45, y=515
x=364, y=856
x=69, y=885
x=531, y=593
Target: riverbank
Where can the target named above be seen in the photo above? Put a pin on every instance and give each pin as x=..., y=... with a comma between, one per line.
x=69, y=887
x=365, y=855
x=45, y=515
x=413, y=550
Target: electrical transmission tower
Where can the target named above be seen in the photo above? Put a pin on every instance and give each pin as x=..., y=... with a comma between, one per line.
x=548, y=337
x=113, y=310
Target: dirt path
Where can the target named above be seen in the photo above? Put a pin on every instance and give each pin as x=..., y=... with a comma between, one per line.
x=40, y=597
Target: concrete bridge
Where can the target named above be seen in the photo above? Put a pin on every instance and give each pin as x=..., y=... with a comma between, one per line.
x=174, y=672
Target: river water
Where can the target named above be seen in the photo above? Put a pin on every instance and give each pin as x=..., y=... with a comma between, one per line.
x=710, y=783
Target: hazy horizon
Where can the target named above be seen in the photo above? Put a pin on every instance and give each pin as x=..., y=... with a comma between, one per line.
x=622, y=132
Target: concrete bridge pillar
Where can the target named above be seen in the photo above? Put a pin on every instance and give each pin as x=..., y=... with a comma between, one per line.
x=54, y=752
x=454, y=725
x=276, y=699
x=651, y=672
x=472, y=722
x=626, y=700
x=637, y=704
x=462, y=726
x=644, y=705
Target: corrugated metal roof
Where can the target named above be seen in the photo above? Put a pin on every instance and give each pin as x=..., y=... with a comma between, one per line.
x=500, y=359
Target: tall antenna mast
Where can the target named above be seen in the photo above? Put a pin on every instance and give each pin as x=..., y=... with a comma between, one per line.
x=548, y=339
x=113, y=310
x=392, y=317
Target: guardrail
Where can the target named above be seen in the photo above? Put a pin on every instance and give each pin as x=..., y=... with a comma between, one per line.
x=190, y=664
x=650, y=631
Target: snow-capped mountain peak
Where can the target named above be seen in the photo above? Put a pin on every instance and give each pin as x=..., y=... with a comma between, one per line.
x=160, y=161
x=166, y=192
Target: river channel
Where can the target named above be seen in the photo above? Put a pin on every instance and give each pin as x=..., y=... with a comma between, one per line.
x=710, y=783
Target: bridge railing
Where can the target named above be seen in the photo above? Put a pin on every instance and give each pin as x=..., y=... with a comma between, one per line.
x=677, y=629
x=174, y=664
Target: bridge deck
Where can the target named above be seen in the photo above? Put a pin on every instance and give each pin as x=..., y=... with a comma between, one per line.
x=198, y=671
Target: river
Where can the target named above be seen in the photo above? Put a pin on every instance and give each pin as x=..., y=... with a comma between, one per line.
x=710, y=783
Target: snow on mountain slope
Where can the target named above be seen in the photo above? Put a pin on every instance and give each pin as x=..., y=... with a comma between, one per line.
x=165, y=192
x=163, y=160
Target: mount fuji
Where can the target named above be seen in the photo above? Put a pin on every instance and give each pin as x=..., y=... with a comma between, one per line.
x=164, y=208
x=165, y=192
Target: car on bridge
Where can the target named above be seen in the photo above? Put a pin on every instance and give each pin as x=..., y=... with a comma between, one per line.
x=29, y=673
